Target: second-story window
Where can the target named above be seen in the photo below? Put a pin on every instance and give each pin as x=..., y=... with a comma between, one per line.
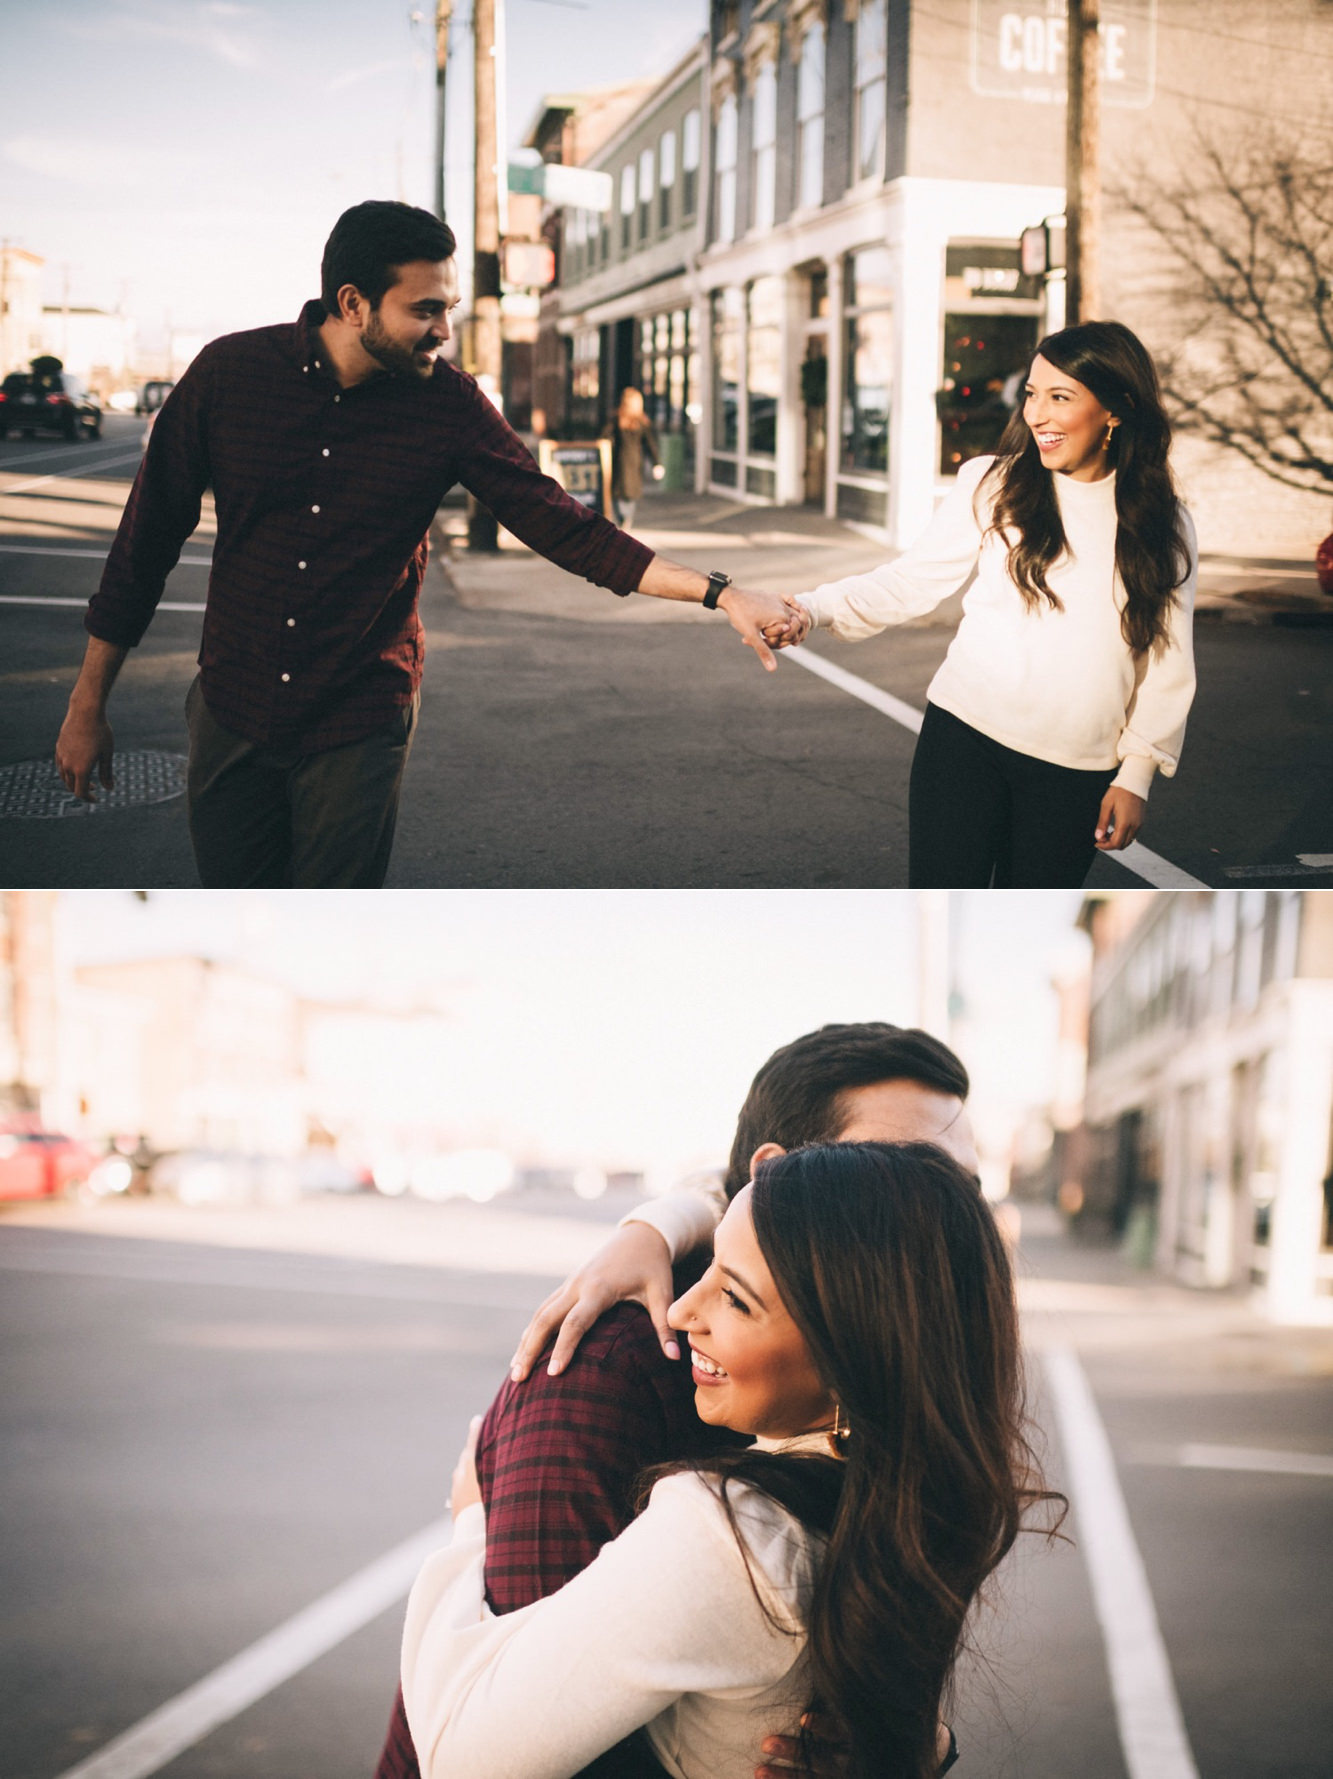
x=627, y=193
x=765, y=145
x=726, y=169
x=872, y=67
x=810, y=120
x=666, y=166
x=689, y=163
x=647, y=187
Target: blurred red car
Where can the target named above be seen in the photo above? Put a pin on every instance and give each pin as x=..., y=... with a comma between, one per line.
x=37, y=1163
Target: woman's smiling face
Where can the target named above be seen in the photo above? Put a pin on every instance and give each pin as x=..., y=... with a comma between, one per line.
x=1068, y=422
x=752, y=1369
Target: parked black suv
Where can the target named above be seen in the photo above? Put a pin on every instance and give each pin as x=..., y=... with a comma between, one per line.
x=49, y=401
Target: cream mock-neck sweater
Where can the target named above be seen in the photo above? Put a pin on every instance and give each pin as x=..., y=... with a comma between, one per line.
x=1062, y=685
x=663, y=1629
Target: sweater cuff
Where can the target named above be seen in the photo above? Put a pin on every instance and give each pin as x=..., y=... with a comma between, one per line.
x=1136, y=774
x=471, y=1523
x=684, y=1220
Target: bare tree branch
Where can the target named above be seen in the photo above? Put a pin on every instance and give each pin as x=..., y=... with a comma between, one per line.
x=1246, y=228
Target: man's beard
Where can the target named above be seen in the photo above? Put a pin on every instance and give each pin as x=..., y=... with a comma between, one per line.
x=399, y=361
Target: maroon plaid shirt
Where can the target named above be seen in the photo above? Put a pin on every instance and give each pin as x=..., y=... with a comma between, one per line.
x=557, y=1459
x=324, y=499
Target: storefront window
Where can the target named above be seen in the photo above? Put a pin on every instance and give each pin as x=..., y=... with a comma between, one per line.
x=727, y=318
x=763, y=378
x=585, y=381
x=765, y=146
x=726, y=170
x=810, y=120
x=993, y=313
x=869, y=363
x=871, y=87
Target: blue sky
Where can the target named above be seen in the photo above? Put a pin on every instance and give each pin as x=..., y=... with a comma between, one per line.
x=190, y=156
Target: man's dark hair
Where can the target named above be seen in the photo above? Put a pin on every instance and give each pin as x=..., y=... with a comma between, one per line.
x=371, y=241
x=794, y=1099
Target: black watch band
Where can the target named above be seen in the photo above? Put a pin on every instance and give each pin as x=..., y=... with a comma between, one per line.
x=716, y=582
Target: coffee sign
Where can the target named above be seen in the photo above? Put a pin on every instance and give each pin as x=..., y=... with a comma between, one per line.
x=1020, y=51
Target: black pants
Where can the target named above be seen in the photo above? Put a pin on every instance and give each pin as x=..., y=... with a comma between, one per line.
x=272, y=818
x=983, y=816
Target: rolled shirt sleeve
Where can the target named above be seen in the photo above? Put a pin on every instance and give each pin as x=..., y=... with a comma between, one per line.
x=502, y=473
x=1154, y=730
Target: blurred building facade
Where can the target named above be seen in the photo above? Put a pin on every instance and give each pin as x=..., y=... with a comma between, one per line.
x=821, y=290
x=30, y=1001
x=20, y=307
x=97, y=344
x=1207, y=1135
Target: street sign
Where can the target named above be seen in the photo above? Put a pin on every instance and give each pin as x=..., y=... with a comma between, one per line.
x=528, y=264
x=1019, y=50
x=582, y=468
x=574, y=188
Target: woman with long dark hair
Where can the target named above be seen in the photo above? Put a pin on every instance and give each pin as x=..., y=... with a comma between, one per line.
x=1069, y=680
x=858, y=1321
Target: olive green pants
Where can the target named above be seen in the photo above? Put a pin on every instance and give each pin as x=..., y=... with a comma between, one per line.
x=272, y=818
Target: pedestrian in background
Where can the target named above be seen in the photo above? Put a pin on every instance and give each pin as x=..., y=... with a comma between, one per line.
x=632, y=438
x=1069, y=681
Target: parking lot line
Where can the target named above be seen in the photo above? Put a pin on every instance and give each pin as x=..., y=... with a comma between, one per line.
x=157, y=1739
x=1152, y=1729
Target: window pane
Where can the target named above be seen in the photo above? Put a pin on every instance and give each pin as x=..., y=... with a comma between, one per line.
x=865, y=418
x=869, y=279
x=626, y=191
x=690, y=142
x=646, y=180
x=666, y=155
x=810, y=81
x=764, y=366
x=727, y=358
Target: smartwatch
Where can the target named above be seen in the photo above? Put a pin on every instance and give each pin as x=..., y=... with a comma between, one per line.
x=716, y=582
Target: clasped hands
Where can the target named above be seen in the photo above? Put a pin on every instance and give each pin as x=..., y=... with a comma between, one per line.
x=766, y=621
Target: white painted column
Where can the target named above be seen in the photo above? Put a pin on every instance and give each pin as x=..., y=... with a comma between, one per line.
x=913, y=441
x=837, y=337
x=791, y=413
x=1299, y=1204
x=705, y=394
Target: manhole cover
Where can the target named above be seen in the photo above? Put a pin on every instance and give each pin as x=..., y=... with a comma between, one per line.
x=32, y=790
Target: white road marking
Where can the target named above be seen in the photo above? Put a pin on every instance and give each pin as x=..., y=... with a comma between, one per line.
x=1153, y=868
x=1245, y=1457
x=1310, y=864
x=96, y=555
x=81, y=451
x=1135, y=858
x=156, y=1740
x=1152, y=1730
x=163, y=605
x=60, y=476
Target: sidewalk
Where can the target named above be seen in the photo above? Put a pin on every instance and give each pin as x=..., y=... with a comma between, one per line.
x=790, y=549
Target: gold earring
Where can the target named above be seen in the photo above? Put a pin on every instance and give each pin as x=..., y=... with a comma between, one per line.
x=841, y=1430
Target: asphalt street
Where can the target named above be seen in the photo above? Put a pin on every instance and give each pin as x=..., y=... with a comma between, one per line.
x=569, y=739
x=205, y=1437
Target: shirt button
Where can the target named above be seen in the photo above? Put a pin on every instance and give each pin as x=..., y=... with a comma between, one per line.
x=285, y=678
x=324, y=452
x=300, y=565
x=314, y=509
x=291, y=623
x=337, y=398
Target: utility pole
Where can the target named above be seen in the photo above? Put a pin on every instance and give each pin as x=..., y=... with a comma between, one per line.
x=1082, y=157
x=444, y=12
x=482, y=531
